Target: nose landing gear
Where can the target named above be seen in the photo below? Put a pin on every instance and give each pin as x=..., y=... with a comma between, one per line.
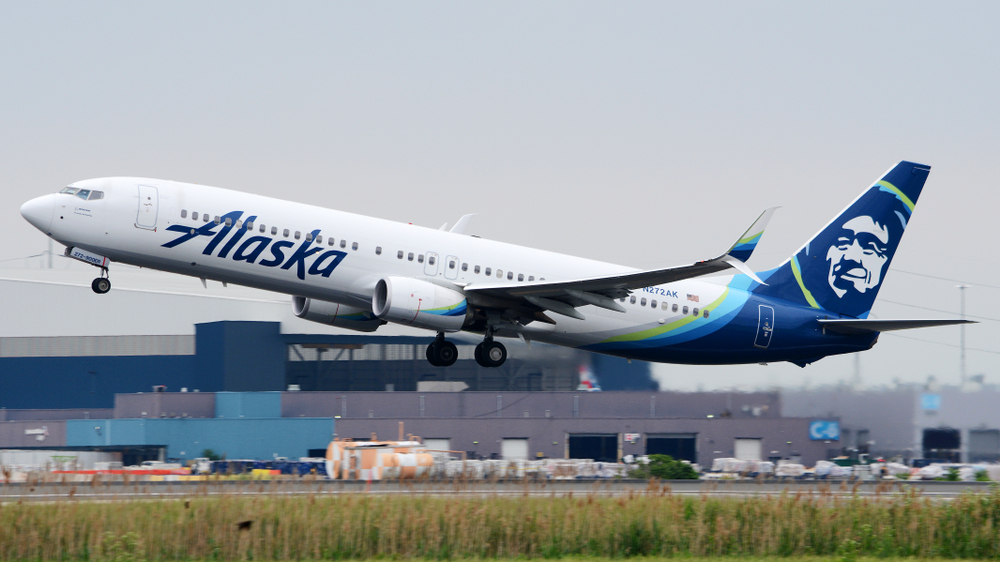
x=102, y=284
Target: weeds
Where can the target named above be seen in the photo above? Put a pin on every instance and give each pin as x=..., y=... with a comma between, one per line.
x=359, y=526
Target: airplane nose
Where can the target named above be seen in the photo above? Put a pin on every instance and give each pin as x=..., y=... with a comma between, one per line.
x=39, y=212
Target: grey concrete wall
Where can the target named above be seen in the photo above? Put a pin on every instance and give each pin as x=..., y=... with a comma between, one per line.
x=887, y=415
x=653, y=405
x=69, y=414
x=24, y=434
x=483, y=436
x=168, y=404
x=958, y=410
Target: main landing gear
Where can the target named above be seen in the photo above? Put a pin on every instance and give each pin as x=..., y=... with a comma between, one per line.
x=443, y=353
x=102, y=284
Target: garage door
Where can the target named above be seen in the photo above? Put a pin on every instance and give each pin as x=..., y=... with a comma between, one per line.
x=747, y=449
x=597, y=446
x=680, y=446
x=514, y=449
x=438, y=444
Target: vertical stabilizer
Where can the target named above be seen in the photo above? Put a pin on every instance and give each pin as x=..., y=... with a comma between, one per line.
x=841, y=269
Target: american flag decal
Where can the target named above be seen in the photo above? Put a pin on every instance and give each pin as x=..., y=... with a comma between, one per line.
x=693, y=297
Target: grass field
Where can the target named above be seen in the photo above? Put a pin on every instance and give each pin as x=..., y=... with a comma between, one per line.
x=358, y=526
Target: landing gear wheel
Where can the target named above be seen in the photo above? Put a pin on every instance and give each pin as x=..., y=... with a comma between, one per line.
x=442, y=353
x=491, y=354
x=101, y=285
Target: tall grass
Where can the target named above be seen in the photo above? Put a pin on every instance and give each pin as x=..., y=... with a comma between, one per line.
x=357, y=526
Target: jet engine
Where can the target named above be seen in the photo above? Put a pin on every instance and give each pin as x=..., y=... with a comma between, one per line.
x=417, y=303
x=334, y=314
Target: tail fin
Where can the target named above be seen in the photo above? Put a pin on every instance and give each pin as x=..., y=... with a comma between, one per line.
x=841, y=269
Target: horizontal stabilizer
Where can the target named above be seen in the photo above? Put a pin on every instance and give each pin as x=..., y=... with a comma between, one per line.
x=854, y=327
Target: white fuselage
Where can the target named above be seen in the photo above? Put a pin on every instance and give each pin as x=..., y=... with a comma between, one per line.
x=138, y=218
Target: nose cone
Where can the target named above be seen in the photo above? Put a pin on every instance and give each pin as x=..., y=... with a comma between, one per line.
x=39, y=212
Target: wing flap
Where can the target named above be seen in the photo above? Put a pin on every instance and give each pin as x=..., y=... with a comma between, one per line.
x=855, y=327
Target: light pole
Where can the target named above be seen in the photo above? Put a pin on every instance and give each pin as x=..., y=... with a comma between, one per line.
x=961, y=328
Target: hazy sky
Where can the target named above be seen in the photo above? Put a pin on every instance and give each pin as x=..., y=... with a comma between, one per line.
x=647, y=134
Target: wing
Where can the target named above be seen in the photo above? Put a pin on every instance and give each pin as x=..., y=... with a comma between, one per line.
x=563, y=297
x=853, y=327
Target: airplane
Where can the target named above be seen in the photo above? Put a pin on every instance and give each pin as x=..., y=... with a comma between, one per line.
x=359, y=273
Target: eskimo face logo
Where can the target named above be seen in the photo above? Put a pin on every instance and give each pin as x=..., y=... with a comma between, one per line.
x=858, y=256
x=251, y=249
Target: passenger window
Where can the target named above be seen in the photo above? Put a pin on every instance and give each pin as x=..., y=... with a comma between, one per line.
x=420, y=258
x=285, y=233
x=465, y=267
x=239, y=224
x=354, y=246
x=665, y=305
x=488, y=271
x=520, y=277
x=194, y=215
x=249, y=225
x=695, y=311
x=274, y=231
x=409, y=257
x=451, y=264
x=705, y=313
x=96, y=195
x=343, y=243
x=184, y=213
x=652, y=303
x=499, y=274
x=675, y=307
x=319, y=238
x=430, y=260
x=475, y=270
x=331, y=242
x=218, y=219
x=83, y=194
x=297, y=235
x=263, y=227
x=622, y=299
x=378, y=250
x=531, y=278
x=205, y=217
x=631, y=299
x=399, y=255
x=309, y=236
x=229, y=222
x=642, y=302
x=510, y=275
x=685, y=311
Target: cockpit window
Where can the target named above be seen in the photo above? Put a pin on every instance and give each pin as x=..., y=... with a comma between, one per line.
x=70, y=190
x=83, y=194
x=96, y=195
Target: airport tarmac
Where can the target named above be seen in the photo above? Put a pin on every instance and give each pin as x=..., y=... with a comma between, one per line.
x=110, y=491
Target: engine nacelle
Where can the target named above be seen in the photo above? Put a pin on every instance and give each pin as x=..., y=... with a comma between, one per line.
x=333, y=314
x=414, y=302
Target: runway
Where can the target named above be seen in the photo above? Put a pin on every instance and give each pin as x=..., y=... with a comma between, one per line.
x=121, y=491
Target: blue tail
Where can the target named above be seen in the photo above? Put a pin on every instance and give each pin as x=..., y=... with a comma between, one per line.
x=841, y=269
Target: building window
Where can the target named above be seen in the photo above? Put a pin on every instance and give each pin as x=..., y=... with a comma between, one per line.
x=184, y=214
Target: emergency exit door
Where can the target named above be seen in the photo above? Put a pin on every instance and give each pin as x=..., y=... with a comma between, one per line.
x=148, y=203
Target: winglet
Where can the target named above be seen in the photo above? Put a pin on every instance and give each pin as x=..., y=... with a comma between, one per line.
x=744, y=247
x=462, y=224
